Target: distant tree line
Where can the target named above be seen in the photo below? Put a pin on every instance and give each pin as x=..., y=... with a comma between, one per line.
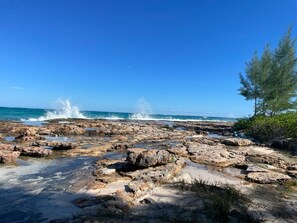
x=271, y=79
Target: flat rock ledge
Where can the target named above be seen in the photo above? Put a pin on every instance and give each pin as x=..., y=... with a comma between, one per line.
x=214, y=155
x=267, y=177
x=236, y=142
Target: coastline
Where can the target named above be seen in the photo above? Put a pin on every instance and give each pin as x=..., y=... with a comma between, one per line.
x=124, y=166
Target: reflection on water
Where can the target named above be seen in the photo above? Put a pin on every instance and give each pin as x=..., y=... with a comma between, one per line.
x=9, y=138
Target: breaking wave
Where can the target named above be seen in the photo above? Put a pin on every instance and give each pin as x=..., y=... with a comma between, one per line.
x=65, y=110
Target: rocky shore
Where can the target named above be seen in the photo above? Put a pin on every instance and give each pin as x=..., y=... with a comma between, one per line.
x=139, y=166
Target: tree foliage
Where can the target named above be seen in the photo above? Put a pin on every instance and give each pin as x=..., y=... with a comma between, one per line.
x=271, y=80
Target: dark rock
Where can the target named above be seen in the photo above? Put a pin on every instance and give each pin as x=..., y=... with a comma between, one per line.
x=34, y=151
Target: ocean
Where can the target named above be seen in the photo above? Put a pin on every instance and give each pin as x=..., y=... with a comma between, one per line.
x=66, y=110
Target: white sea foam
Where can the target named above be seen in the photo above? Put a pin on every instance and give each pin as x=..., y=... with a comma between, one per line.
x=64, y=111
x=143, y=112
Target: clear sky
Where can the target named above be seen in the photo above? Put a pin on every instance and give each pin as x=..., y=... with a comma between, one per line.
x=182, y=56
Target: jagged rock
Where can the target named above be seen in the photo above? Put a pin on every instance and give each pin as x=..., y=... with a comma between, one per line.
x=214, y=155
x=62, y=145
x=6, y=147
x=267, y=177
x=8, y=156
x=236, y=142
x=148, y=158
x=159, y=174
x=34, y=151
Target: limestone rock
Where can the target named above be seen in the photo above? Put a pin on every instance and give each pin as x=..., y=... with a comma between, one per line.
x=34, y=151
x=148, y=158
x=267, y=177
x=236, y=142
x=180, y=150
x=6, y=147
x=8, y=156
x=214, y=155
x=62, y=145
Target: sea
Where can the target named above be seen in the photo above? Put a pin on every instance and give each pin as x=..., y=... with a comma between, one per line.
x=66, y=111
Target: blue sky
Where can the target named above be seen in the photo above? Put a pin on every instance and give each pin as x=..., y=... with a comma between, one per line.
x=182, y=56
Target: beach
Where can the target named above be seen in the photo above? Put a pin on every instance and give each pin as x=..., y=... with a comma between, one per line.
x=131, y=171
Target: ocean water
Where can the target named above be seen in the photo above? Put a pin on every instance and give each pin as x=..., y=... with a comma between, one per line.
x=66, y=110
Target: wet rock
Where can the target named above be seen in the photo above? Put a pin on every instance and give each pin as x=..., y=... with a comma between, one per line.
x=214, y=155
x=267, y=177
x=87, y=202
x=236, y=142
x=34, y=151
x=6, y=147
x=8, y=156
x=122, y=146
x=62, y=145
x=148, y=158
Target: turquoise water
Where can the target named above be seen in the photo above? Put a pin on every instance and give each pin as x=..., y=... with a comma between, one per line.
x=29, y=114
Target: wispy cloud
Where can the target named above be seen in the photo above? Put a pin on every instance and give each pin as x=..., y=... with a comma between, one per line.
x=17, y=88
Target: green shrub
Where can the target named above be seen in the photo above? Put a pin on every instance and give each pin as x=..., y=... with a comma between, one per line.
x=266, y=129
x=242, y=124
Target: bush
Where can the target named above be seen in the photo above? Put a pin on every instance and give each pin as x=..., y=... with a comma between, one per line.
x=242, y=124
x=267, y=129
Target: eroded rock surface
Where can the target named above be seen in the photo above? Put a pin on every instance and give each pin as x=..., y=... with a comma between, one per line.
x=214, y=155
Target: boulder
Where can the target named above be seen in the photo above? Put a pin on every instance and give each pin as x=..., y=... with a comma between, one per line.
x=149, y=158
x=8, y=156
x=236, y=142
x=34, y=151
x=214, y=155
x=267, y=177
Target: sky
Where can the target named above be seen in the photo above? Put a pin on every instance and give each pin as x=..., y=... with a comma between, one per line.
x=182, y=56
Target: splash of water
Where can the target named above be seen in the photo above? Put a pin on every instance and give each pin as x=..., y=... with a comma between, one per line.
x=64, y=111
x=144, y=110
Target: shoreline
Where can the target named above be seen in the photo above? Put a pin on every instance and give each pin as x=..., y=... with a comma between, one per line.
x=134, y=163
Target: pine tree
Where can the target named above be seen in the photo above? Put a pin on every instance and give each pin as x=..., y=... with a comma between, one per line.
x=282, y=82
x=266, y=63
x=271, y=81
x=250, y=85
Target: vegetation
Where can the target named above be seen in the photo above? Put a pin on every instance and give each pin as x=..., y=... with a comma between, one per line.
x=222, y=203
x=267, y=129
x=271, y=80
